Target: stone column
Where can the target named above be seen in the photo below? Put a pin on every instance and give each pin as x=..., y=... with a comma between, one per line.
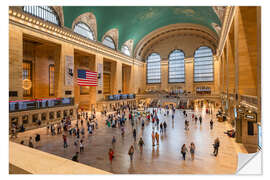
x=66, y=50
x=164, y=73
x=99, y=63
x=15, y=61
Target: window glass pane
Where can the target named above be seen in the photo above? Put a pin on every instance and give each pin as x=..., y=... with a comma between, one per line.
x=109, y=42
x=84, y=30
x=203, y=65
x=125, y=50
x=177, y=66
x=153, y=68
x=44, y=12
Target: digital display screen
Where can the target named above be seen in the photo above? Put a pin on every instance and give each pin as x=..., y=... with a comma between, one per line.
x=124, y=96
x=110, y=97
x=131, y=96
x=260, y=136
x=116, y=97
x=66, y=101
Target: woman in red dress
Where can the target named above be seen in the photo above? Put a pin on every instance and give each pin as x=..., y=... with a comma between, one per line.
x=111, y=155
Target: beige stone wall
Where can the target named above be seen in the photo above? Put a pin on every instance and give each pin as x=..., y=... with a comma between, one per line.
x=53, y=51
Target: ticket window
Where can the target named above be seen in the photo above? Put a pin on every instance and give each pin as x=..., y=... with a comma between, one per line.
x=25, y=119
x=65, y=113
x=51, y=115
x=43, y=116
x=35, y=118
x=71, y=112
x=14, y=121
x=251, y=128
x=58, y=114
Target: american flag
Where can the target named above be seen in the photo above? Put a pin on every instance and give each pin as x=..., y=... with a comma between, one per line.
x=87, y=78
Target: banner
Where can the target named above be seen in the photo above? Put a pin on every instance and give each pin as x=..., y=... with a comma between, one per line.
x=69, y=70
x=100, y=74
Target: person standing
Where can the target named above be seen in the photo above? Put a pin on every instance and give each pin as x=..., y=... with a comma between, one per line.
x=37, y=139
x=111, y=155
x=184, y=151
x=157, y=138
x=172, y=116
x=192, y=150
x=211, y=124
x=131, y=152
x=113, y=142
x=216, y=146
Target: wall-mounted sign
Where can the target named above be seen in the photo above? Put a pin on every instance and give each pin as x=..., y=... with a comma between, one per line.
x=251, y=117
x=69, y=70
x=27, y=84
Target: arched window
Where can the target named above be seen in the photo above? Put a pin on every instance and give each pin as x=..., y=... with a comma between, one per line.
x=44, y=12
x=84, y=30
x=108, y=41
x=177, y=67
x=125, y=50
x=153, y=68
x=203, y=65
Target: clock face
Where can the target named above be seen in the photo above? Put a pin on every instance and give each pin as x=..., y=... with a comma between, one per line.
x=27, y=84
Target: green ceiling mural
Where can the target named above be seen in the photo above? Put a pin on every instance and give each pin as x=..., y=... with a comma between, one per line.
x=134, y=22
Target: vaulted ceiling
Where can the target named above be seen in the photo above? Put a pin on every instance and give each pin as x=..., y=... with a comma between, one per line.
x=137, y=22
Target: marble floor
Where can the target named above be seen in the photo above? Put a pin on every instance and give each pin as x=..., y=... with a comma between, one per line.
x=163, y=159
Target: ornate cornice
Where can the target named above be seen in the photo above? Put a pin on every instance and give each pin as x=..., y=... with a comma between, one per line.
x=19, y=18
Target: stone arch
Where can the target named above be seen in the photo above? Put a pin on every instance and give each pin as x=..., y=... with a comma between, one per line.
x=114, y=34
x=89, y=19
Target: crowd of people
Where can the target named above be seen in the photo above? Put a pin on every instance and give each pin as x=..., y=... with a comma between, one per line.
x=118, y=120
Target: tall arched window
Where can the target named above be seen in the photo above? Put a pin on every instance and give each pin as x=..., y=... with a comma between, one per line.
x=108, y=41
x=125, y=50
x=84, y=30
x=44, y=12
x=153, y=68
x=177, y=67
x=203, y=65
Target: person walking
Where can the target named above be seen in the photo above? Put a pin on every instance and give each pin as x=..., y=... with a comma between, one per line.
x=192, y=150
x=161, y=127
x=65, y=140
x=200, y=119
x=81, y=146
x=211, y=124
x=184, y=151
x=131, y=152
x=153, y=138
x=31, y=142
x=216, y=146
x=111, y=154
x=134, y=134
x=141, y=143
x=164, y=126
x=157, y=138
x=113, y=142
x=37, y=139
